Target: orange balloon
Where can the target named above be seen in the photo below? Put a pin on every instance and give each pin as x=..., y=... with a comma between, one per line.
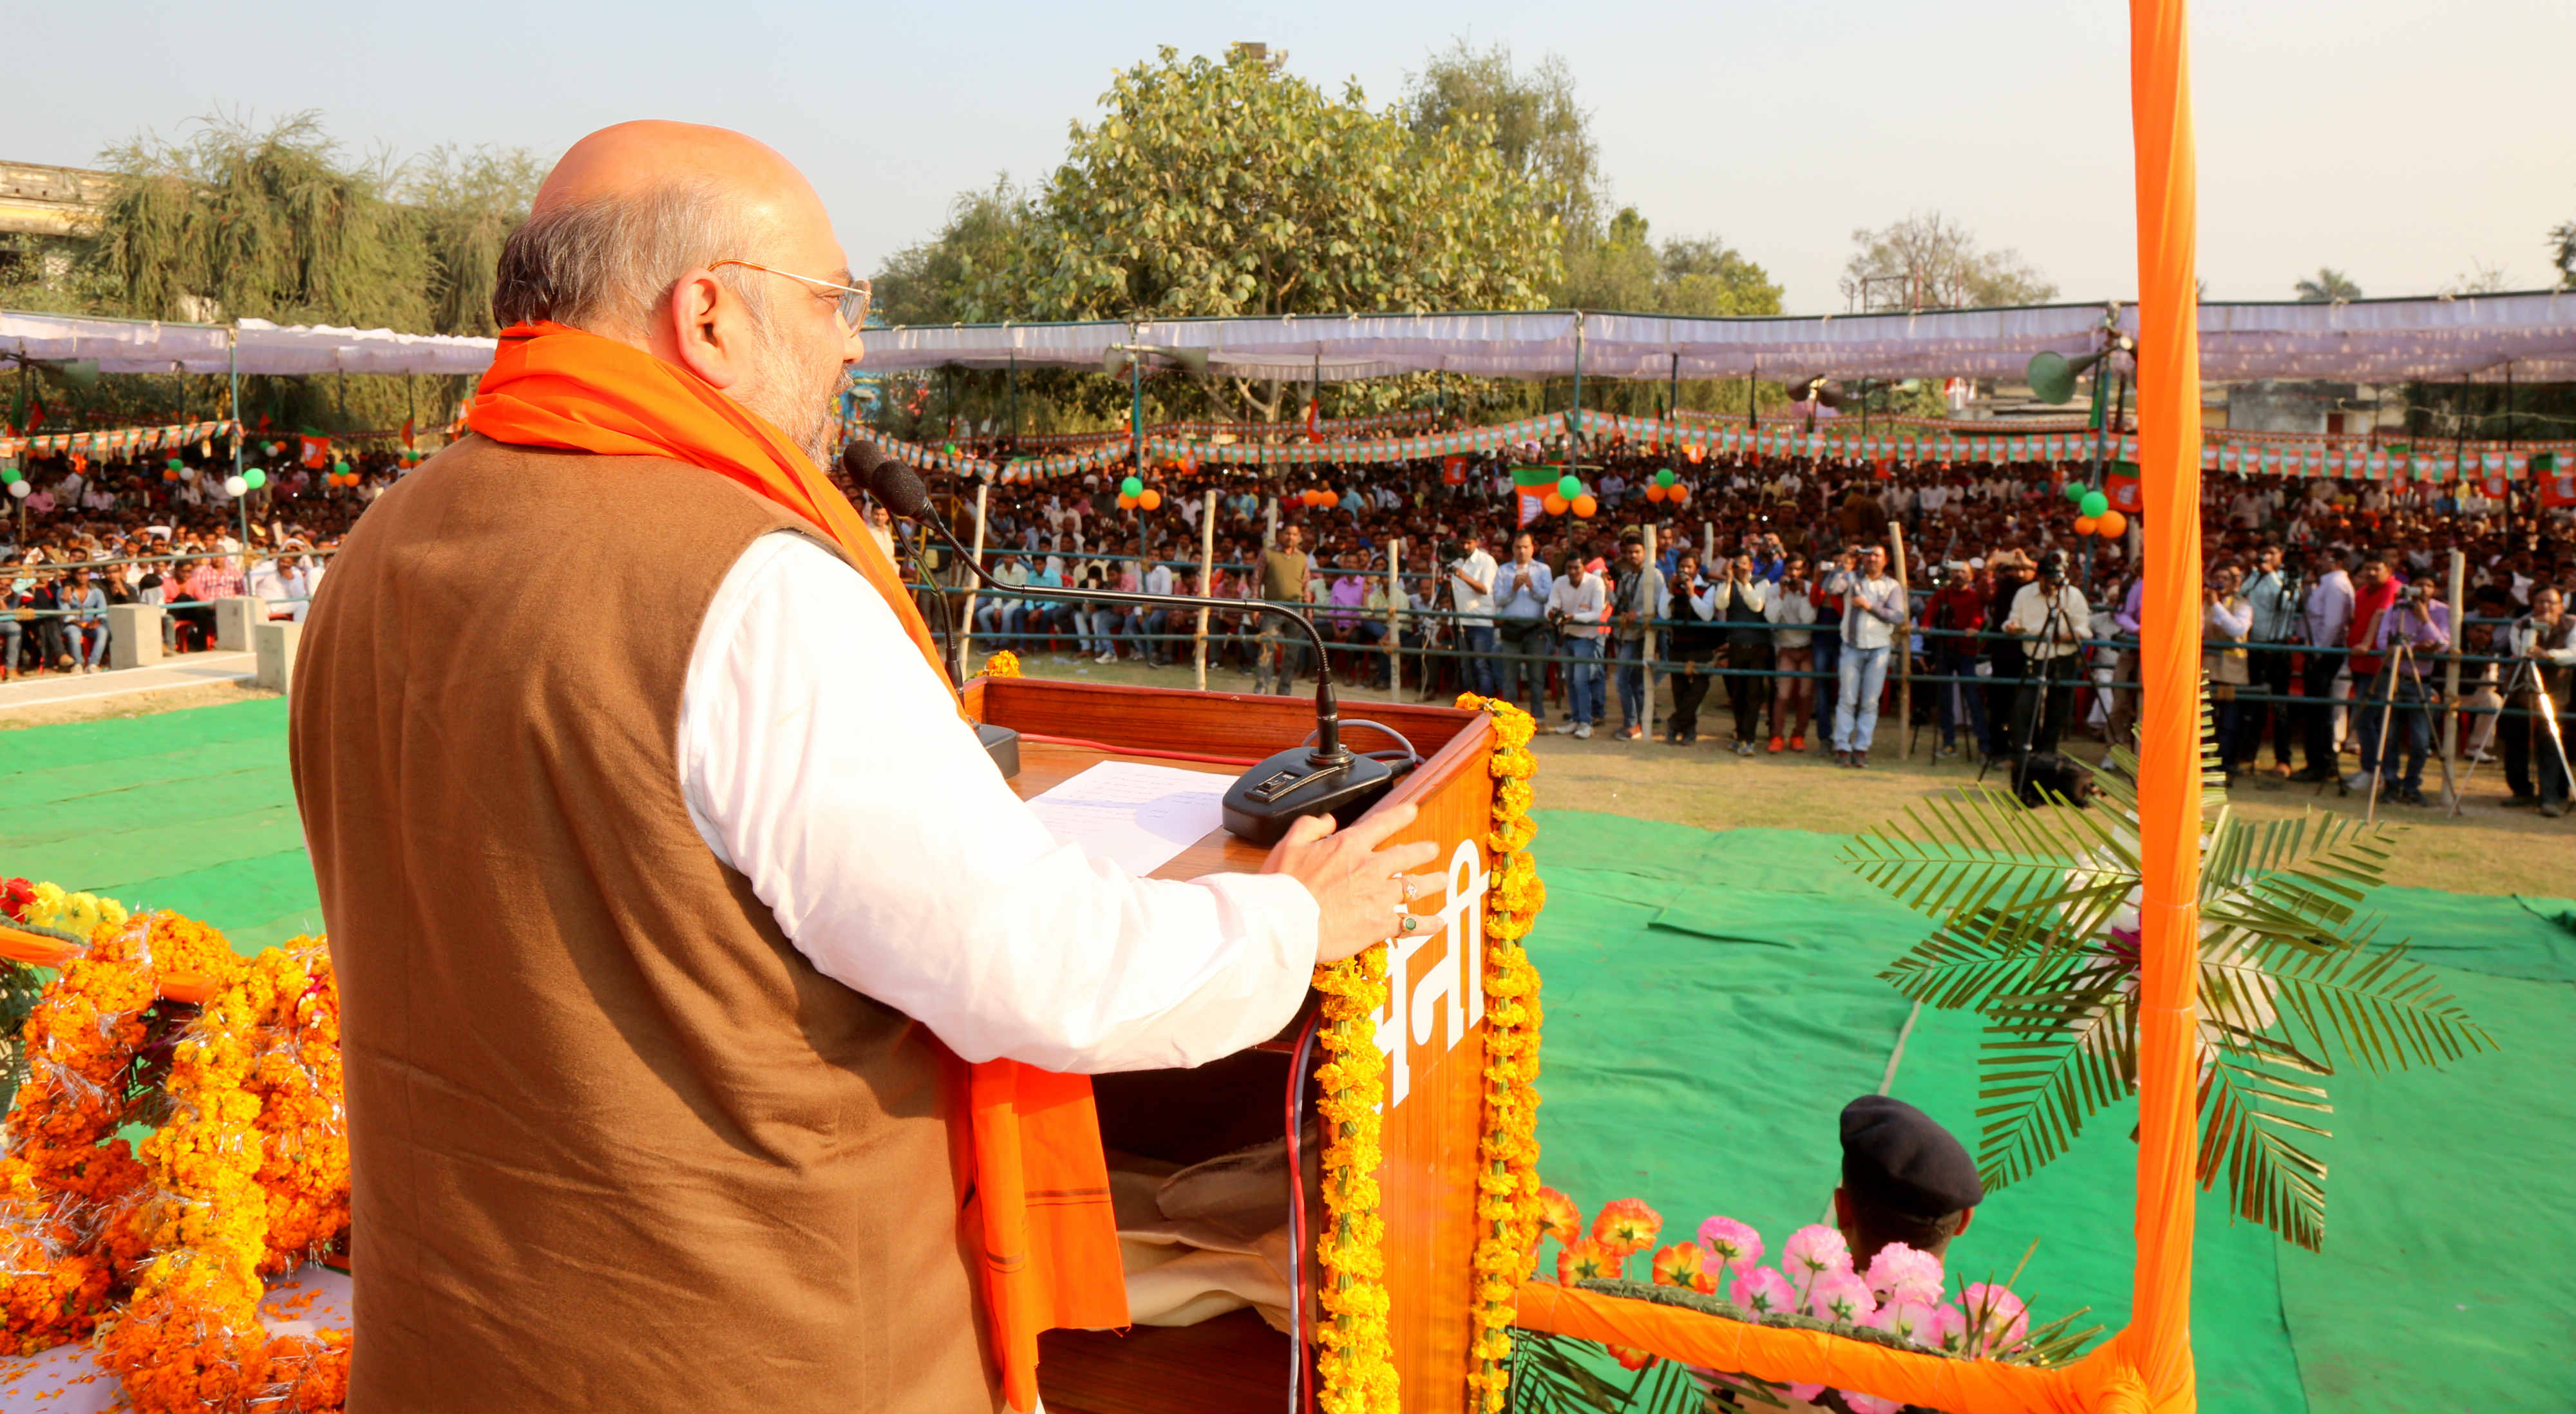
x=2084, y=525
x=1152, y=500
x=1311, y=497
x=1554, y=504
x=1654, y=492
x=1678, y=491
x=1584, y=506
x=1328, y=499
x=2110, y=525
x=1126, y=502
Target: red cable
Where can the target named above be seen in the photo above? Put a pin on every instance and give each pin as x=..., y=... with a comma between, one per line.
x=1138, y=750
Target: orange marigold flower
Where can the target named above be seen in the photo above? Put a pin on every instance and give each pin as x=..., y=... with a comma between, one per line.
x=1630, y=1359
x=1587, y=1260
x=1558, y=1217
x=1684, y=1264
x=1627, y=1225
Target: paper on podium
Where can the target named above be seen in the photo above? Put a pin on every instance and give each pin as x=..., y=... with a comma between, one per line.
x=1140, y=816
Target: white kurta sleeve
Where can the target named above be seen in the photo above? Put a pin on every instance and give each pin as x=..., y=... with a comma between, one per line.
x=821, y=758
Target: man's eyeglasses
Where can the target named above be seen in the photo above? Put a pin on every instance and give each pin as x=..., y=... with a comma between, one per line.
x=854, y=298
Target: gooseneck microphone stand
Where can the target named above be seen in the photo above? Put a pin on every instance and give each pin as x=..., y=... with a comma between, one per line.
x=1325, y=778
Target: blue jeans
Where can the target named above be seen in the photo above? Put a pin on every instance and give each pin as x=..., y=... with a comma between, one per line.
x=97, y=635
x=1103, y=628
x=1864, y=674
x=1635, y=709
x=1583, y=679
x=1962, y=700
x=2406, y=724
x=1478, y=668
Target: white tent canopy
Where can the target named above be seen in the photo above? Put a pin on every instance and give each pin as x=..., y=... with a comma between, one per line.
x=2481, y=337
x=247, y=346
x=2531, y=336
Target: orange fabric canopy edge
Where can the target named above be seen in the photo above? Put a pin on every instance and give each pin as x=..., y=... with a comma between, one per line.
x=2146, y=1368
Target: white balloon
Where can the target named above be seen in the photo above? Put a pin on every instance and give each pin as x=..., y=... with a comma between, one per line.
x=187, y=473
x=234, y=486
x=20, y=489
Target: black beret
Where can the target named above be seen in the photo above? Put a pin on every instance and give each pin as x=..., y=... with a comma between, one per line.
x=1897, y=1155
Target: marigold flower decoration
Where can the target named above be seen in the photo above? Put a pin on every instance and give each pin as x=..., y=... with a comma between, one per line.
x=252, y=1178
x=1355, y=1369
x=1004, y=664
x=1509, y=1198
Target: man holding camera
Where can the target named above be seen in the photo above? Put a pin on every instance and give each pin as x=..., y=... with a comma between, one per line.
x=2048, y=618
x=2547, y=637
x=2423, y=624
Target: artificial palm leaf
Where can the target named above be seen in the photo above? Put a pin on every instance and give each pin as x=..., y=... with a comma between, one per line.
x=2036, y=928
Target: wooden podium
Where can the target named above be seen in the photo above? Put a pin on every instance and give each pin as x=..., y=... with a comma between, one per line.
x=1433, y=1033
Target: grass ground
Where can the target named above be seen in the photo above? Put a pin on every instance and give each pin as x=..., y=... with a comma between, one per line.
x=2486, y=850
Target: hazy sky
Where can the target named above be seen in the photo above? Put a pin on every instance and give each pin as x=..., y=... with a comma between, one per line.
x=2401, y=142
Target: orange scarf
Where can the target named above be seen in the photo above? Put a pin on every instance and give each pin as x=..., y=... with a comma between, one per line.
x=1034, y=1187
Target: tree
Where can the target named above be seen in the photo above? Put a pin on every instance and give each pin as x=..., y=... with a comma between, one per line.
x=934, y=282
x=1696, y=275
x=2329, y=287
x=2562, y=251
x=1536, y=125
x=1230, y=188
x=1928, y=262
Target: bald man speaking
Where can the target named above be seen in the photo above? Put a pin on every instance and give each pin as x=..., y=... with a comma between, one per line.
x=715, y=1014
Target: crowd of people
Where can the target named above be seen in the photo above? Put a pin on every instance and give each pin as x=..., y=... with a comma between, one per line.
x=91, y=535
x=1775, y=586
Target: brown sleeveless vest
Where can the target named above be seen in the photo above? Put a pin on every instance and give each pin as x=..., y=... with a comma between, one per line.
x=616, y=1144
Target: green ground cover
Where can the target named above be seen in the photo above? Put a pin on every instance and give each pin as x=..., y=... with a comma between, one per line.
x=1711, y=1003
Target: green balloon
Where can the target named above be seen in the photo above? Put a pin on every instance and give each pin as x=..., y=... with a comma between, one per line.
x=1569, y=486
x=174, y=463
x=8, y=476
x=2094, y=504
x=1665, y=477
x=254, y=478
x=340, y=467
x=2075, y=492
x=1132, y=486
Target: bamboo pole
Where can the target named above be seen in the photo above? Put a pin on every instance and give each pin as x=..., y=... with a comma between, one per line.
x=966, y=629
x=1905, y=652
x=2451, y=679
x=1394, y=619
x=1207, y=584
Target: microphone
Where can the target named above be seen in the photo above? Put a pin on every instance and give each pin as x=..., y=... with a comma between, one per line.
x=1327, y=778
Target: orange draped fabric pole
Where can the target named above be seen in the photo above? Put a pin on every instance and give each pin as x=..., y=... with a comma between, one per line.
x=2157, y=1343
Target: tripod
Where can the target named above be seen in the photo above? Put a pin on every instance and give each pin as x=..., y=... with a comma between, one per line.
x=2527, y=668
x=2401, y=668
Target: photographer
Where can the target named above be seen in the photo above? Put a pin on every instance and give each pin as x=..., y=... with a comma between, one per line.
x=1520, y=617
x=2423, y=623
x=2326, y=612
x=1637, y=598
x=1693, y=640
x=1577, y=606
x=2047, y=619
x=2273, y=593
x=2546, y=637
x=2225, y=622
x=1793, y=692
x=1743, y=601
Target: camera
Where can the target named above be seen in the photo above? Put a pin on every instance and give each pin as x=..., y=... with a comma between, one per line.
x=2052, y=567
x=1452, y=552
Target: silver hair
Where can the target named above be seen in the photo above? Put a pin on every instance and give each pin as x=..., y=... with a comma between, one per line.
x=612, y=260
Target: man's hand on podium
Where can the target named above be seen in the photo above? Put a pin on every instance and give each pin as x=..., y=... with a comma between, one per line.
x=1361, y=888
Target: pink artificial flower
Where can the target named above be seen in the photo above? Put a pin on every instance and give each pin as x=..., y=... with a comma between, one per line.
x=1997, y=1318
x=1900, y=1273
x=1906, y=1320
x=1763, y=1292
x=1735, y=1246
x=1860, y=1403
x=1843, y=1297
x=1804, y=1393
x=1811, y=1252
x=1949, y=1330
